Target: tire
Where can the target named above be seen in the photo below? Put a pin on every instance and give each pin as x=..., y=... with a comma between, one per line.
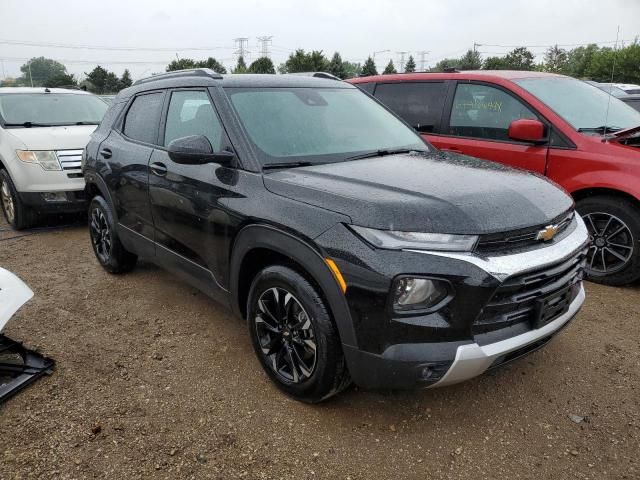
x=614, y=229
x=107, y=247
x=17, y=214
x=308, y=335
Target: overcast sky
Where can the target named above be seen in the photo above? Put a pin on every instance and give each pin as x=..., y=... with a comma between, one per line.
x=355, y=28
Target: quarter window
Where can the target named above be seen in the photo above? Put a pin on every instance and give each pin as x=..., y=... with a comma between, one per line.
x=419, y=104
x=191, y=113
x=481, y=111
x=143, y=118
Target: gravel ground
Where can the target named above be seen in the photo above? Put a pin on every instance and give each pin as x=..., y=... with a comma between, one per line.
x=155, y=380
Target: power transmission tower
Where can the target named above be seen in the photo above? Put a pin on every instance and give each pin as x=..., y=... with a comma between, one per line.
x=241, y=46
x=402, y=54
x=265, y=43
x=423, y=60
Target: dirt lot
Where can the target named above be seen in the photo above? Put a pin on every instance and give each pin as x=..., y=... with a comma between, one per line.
x=154, y=380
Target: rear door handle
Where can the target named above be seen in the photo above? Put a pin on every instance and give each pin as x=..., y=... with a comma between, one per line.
x=106, y=153
x=158, y=168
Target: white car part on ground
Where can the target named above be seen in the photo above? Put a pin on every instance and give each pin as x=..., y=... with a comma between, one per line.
x=13, y=294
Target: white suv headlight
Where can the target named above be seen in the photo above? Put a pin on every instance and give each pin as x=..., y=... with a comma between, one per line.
x=395, y=240
x=47, y=159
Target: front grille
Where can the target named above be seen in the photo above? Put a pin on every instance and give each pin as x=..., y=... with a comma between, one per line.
x=526, y=237
x=518, y=299
x=71, y=162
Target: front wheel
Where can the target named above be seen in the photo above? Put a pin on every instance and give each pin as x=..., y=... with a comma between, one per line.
x=17, y=214
x=614, y=230
x=111, y=254
x=294, y=337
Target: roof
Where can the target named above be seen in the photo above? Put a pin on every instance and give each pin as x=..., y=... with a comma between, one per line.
x=42, y=90
x=464, y=74
x=207, y=77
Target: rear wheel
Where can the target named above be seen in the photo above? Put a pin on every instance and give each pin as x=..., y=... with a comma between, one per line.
x=104, y=239
x=294, y=337
x=614, y=230
x=17, y=214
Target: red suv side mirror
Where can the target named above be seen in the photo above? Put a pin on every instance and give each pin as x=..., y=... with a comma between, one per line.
x=527, y=130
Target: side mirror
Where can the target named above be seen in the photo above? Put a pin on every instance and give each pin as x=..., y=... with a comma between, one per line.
x=197, y=150
x=527, y=130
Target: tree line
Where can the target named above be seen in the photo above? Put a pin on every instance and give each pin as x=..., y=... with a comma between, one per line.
x=590, y=61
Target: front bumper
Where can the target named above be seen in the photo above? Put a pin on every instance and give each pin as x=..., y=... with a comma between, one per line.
x=74, y=201
x=448, y=347
x=473, y=360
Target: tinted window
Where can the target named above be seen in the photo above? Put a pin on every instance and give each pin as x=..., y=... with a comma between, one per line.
x=419, y=104
x=191, y=113
x=367, y=87
x=485, y=112
x=143, y=117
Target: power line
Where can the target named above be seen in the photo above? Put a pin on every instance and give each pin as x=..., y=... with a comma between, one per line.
x=102, y=47
x=547, y=46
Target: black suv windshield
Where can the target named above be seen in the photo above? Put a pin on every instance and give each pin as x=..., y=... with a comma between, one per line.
x=288, y=125
x=49, y=109
x=585, y=108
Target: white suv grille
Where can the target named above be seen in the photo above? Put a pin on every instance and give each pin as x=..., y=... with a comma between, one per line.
x=71, y=162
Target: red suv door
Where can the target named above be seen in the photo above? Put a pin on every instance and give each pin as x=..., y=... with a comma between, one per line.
x=476, y=123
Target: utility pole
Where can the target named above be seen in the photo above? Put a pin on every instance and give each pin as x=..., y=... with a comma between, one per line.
x=423, y=60
x=30, y=76
x=375, y=53
x=402, y=54
x=241, y=46
x=265, y=43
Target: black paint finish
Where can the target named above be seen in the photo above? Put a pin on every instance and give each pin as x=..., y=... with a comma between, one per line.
x=206, y=223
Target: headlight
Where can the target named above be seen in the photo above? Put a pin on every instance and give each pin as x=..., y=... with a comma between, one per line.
x=414, y=293
x=394, y=240
x=47, y=159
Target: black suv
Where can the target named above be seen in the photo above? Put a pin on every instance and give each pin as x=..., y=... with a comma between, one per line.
x=353, y=249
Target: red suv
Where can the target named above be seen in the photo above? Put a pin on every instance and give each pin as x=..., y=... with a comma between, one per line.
x=577, y=135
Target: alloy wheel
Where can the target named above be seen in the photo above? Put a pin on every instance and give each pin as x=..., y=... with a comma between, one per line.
x=7, y=202
x=285, y=335
x=612, y=243
x=100, y=235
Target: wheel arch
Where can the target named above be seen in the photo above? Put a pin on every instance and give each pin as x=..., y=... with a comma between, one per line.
x=258, y=246
x=94, y=185
x=604, y=191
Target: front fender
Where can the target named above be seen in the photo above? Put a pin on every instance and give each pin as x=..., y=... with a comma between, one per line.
x=605, y=179
x=304, y=254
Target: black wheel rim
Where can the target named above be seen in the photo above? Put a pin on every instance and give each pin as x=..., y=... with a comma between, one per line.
x=7, y=202
x=611, y=246
x=285, y=335
x=100, y=235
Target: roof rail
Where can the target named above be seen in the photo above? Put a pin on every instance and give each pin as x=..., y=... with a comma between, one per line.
x=189, y=72
x=326, y=75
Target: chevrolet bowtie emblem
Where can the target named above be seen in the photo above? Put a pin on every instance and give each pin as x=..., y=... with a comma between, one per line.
x=547, y=233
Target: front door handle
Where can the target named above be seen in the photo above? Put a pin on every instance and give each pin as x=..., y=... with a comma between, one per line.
x=158, y=168
x=106, y=153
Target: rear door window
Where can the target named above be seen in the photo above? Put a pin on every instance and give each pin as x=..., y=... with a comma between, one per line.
x=481, y=111
x=143, y=118
x=420, y=104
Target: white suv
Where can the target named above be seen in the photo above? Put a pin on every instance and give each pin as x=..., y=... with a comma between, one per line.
x=43, y=132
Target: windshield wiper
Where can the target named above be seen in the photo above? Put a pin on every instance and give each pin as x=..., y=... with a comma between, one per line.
x=29, y=124
x=271, y=166
x=384, y=153
x=86, y=123
x=601, y=128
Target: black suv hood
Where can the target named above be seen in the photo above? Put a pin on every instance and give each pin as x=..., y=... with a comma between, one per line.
x=439, y=193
